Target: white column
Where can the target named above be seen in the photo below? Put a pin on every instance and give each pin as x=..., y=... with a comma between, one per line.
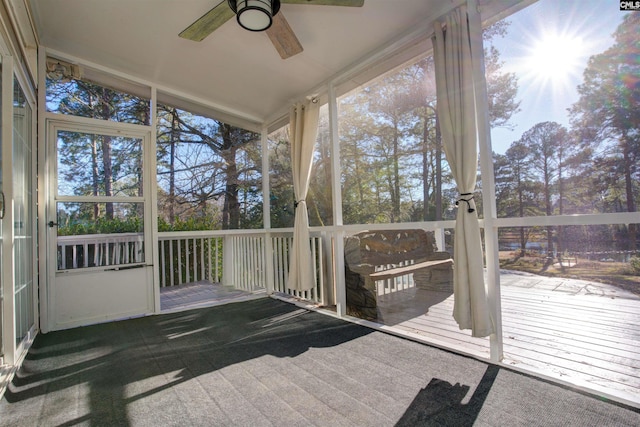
x=152, y=257
x=336, y=191
x=488, y=187
x=266, y=209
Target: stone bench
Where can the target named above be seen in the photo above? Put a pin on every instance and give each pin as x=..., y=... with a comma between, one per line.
x=371, y=256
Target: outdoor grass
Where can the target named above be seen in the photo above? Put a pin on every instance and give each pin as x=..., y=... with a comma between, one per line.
x=619, y=274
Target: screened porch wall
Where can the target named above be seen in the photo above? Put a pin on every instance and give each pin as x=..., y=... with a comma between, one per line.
x=258, y=258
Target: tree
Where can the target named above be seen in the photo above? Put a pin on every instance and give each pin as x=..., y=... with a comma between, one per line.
x=209, y=165
x=542, y=141
x=516, y=188
x=90, y=158
x=608, y=110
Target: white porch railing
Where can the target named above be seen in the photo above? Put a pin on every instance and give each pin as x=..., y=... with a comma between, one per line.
x=99, y=250
x=237, y=260
x=233, y=259
x=394, y=284
x=281, y=247
x=244, y=262
x=189, y=257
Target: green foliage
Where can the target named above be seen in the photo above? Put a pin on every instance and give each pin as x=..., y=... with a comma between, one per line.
x=101, y=226
x=186, y=256
x=189, y=224
x=634, y=262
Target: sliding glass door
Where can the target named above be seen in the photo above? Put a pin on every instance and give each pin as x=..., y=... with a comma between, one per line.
x=18, y=310
x=2, y=211
x=23, y=216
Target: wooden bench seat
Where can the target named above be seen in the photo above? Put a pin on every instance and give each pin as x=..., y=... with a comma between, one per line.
x=371, y=256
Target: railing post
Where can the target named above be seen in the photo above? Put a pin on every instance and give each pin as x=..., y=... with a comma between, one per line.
x=269, y=260
x=328, y=296
x=340, y=284
x=228, y=272
x=439, y=236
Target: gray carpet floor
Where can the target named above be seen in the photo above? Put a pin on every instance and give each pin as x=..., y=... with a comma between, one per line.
x=269, y=363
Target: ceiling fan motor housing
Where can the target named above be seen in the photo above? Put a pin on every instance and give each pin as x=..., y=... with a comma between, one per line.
x=254, y=15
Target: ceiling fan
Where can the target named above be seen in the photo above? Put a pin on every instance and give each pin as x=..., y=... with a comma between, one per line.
x=258, y=15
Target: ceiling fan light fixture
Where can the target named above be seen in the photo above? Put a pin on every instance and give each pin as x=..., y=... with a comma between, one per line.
x=255, y=15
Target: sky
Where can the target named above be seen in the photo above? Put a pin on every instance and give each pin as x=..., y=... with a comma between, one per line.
x=547, y=46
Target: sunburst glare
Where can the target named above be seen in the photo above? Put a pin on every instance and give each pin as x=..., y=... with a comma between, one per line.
x=555, y=59
x=552, y=57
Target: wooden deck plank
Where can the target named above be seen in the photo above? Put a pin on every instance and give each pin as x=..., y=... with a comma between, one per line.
x=557, y=360
x=564, y=324
x=617, y=329
x=628, y=362
x=553, y=327
x=576, y=316
x=447, y=339
x=581, y=375
x=586, y=300
x=583, y=302
x=587, y=338
x=544, y=336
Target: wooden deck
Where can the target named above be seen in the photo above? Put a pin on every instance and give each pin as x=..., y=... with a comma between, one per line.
x=573, y=331
x=201, y=294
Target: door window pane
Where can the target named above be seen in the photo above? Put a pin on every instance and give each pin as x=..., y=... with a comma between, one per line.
x=99, y=234
x=92, y=164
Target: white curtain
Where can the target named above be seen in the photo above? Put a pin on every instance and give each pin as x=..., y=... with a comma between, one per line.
x=303, y=128
x=458, y=116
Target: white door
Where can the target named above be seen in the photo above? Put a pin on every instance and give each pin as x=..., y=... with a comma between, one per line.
x=98, y=219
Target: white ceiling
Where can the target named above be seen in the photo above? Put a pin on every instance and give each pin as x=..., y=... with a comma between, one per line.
x=234, y=70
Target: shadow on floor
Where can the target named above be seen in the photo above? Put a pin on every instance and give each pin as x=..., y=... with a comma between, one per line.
x=98, y=374
x=440, y=403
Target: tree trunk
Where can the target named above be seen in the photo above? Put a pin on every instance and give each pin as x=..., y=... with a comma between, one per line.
x=559, y=234
x=628, y=183
x=438, y=171
x=523, y=239
x=231, y=207
x=356, y=169
x=106, y=157
x=172, y=165
x=425, y=169
x=108, y=174
x=396, y=176
x=547, y=202
x=95, y=175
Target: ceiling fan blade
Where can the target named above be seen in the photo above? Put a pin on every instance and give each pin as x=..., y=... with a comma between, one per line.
x=208, y=23
x=350, y=3
x=283, y=37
